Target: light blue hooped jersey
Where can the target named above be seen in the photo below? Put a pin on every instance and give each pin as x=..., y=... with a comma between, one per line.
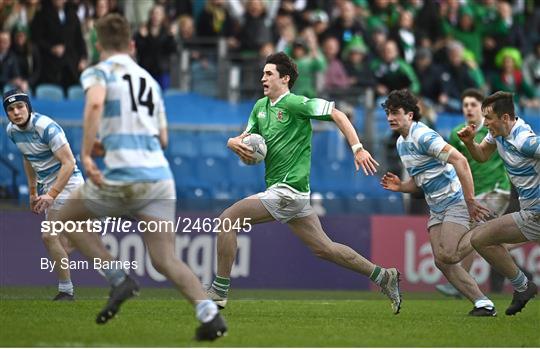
x=133, y=114
x=418, y=152
x=38, y=142
x=520, y=152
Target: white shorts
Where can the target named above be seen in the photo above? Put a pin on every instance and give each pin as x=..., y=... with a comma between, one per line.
x=285, y=203
x=529, y=223
x=497, y=201
x=456, y=213
x=73, y=183
x=153, y=199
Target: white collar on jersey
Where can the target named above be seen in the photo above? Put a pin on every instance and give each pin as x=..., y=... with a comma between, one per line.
x=279, y=98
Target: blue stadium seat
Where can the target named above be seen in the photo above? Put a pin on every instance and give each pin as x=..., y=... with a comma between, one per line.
x=213, y=144
x=183, y=144
x=75, y=92
x=50, y=92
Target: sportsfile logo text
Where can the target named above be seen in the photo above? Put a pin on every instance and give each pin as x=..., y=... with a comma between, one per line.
x=119, y=224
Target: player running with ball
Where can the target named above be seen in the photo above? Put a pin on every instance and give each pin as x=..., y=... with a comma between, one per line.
x=284, y=121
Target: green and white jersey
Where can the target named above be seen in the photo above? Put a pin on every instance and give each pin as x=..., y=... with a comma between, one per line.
x=489, y=175
x=286, y=128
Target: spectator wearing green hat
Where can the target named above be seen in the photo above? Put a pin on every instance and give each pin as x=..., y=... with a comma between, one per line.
x=509, y=78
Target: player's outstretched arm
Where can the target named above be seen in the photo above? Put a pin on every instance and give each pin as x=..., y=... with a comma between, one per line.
x=32, y=183
x=93, y=108
x=67, y=166
x=480, y=152
x=244, y=151
x=362, y=158
x=463, y=170
x=392, y=182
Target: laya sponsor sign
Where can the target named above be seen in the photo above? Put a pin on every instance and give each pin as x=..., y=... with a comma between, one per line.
x=403, y=242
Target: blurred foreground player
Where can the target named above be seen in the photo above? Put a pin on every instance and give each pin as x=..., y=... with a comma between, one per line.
x=123, y=102
x=50, y=166
x=283, y=119
x=519, y=147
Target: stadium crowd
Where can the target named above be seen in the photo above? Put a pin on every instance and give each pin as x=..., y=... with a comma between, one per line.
x=435, y=48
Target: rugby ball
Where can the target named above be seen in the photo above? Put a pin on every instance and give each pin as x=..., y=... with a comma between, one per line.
x=257, y=143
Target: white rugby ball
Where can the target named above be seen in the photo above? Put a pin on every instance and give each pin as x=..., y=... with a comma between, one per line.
x=257, y=143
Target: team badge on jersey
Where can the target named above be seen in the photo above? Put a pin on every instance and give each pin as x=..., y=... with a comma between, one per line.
x=281, y=116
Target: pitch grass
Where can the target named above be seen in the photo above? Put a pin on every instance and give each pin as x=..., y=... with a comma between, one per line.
x=263, y=318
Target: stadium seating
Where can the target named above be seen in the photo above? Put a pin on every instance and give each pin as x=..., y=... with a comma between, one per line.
x=49, y=92
x=75, y=92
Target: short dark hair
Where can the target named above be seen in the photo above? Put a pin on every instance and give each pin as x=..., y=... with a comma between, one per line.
x=402, y=99
x=474, y=93
x=284, y=65
x=113, y=32
x=501, y=103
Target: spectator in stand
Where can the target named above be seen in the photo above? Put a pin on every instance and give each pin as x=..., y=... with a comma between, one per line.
x=155, y=44
x=215, y=21
x=531, y=68
x=102, y=7
x=457, y=77
x=9, y=68
x=336, y=79
x=510, y=78
x=385, y=12
x=320, y=22
x=430, y=77
x=256, y=29
x=378, y=36
x=347, y=25
x=393, y=73
x=357, y=64
x=56, y=31
x=466, y=32
x=28, y=58
x=21, y=14
x=502, y=29
x=137, y=11
x=310, y=61
x=403, y=34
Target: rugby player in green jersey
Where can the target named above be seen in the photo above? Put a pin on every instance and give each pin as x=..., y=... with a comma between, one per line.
x=283, y=119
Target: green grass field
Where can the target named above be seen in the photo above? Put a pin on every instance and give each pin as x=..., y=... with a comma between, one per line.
x=159, y=318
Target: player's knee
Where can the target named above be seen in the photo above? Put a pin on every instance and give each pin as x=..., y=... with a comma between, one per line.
x=440, y=264
x=448, y=257
x=476, y=241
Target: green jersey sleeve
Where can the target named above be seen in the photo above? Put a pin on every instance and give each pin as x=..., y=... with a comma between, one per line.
x=253, y=122
x=312, y=108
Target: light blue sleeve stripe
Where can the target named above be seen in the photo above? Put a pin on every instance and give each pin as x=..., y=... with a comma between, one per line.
x=47, y=172
x=138, y=174
x=50, y=132
x=531, y=147
x=129, y=141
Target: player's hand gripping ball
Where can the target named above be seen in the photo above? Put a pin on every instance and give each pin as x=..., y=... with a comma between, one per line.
x=257, y=143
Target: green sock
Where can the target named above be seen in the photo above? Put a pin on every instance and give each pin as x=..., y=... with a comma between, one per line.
x=221, y=285
x=377, y=275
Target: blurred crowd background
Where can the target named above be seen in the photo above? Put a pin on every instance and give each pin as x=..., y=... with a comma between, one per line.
x=208, y=56
x=435, y=48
